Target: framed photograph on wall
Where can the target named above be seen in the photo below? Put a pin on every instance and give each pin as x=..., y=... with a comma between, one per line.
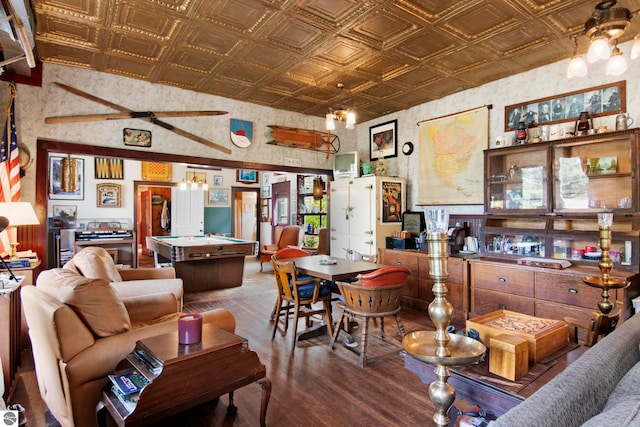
x=73, y=188
x=108, y=195
x=383, y=140
x=136, y=137
x=217, y=181
x=218, y=197
x=66, y=214
x=247, y=176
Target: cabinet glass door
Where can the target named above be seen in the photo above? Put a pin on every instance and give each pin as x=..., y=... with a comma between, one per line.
x=517, y=179
x=594, y=176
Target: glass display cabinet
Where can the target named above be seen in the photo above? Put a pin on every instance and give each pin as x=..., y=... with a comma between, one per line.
x=516, y=179
x=542, y=200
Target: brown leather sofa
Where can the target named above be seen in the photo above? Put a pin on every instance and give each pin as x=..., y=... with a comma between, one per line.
x=82, y=323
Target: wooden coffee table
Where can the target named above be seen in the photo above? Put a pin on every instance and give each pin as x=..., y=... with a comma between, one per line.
x=486, y=390
x=191, y=375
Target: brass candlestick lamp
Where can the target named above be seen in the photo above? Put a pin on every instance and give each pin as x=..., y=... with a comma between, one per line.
x=605, y=221
x=438, y=348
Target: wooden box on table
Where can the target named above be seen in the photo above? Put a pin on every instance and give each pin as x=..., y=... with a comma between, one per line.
x=545, y=336
x=509, y=356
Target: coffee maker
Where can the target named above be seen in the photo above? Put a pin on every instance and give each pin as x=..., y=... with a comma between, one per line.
x=457, y=234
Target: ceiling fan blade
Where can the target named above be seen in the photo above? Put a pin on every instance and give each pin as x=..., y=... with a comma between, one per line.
x=130, y=115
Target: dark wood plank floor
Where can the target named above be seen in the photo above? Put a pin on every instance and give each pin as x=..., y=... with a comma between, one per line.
x=313, y=386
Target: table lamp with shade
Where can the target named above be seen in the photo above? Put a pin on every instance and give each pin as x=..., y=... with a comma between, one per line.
x=18, y=213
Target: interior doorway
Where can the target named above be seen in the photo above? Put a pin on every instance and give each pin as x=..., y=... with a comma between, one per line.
x=245, y=213
x=152, y=210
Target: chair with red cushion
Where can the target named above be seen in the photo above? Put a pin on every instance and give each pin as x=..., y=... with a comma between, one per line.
x=290, y=236
x=375, y=295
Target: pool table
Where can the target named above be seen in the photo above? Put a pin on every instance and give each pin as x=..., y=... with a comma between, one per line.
x=204, y=262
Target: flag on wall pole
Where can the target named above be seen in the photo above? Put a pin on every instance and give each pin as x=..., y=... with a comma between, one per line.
x=9, y=163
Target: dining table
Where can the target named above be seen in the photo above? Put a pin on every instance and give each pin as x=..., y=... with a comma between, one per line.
x=330, y=268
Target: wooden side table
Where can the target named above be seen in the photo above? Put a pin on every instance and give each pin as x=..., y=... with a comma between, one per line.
x=13, y=327
x=191, y=375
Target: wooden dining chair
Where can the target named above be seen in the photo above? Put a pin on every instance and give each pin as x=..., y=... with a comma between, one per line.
x=375, y=295
x=299, y=296
x=282, y=254
x=598, y=326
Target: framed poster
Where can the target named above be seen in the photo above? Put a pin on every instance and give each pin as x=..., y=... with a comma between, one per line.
x=413, y=222
x=247, y=176
x=75, y=173
x=218, y=197
x=383, y=140
x=108, y=168
x=391, y=201
x=108, y=195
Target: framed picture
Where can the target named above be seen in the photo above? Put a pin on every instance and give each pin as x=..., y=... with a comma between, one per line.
x=383, y=140
x=217, y=181
x=218, y=197
x=108, y=168
x=413, y=222
x=136, y=137
x=65, y=214
x=157, y=199
x=391, y=201
x=266, y=192
x=602, y=165
x=247, y=176
x=598, y=101
x=108, y=195
x=74, y=169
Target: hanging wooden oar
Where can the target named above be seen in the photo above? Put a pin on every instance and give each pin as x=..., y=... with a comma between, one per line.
x=131, y=115
x=153, y=120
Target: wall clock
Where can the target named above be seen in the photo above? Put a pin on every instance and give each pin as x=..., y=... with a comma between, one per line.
x=407, y=148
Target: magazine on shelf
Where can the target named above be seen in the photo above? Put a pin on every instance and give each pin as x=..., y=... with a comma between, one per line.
x=152, y=364
x=128, y=400
x=129, y=381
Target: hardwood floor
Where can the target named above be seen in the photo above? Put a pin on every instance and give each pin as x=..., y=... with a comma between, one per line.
x=313, y=385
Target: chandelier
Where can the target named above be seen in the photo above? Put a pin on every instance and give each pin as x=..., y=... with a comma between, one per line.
x=194, y=181
x=605, y=26
x=341, y=114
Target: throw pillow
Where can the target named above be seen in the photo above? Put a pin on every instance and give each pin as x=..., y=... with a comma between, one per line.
x=96, y=263
x=93, y=300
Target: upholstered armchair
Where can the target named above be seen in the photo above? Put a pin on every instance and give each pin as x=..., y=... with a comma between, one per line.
x=82, y=323
x=284, y=237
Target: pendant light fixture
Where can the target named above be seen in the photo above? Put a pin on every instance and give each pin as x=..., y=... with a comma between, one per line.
x=69, y=174
x=605, y=27
x=340, y=114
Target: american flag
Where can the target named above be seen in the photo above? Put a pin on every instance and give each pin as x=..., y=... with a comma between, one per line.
x=9, y=163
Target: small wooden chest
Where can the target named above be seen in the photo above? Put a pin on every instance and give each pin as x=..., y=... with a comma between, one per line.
x=545, y=336
x=509, y=356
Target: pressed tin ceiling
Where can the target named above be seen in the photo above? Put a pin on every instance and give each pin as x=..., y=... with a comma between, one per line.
x=290, y=54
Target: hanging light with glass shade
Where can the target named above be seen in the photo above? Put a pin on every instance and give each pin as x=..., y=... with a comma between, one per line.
x=605, y=27
x=340, y=114
x=318, y=188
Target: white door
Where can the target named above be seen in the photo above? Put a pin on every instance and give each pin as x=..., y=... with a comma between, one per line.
x=339, y=214
x=362, y=218
x=187, y=212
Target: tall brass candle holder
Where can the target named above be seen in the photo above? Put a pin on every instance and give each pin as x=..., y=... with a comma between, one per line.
x=438, y=348
x=605, y=221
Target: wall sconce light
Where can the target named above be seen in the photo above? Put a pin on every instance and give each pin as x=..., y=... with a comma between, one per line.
x=194, y=180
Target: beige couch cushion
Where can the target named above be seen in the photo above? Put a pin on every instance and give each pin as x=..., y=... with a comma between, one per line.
x=96, y=263
x=94, y=300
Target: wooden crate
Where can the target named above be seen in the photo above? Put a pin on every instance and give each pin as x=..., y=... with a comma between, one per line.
x=545, y=336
